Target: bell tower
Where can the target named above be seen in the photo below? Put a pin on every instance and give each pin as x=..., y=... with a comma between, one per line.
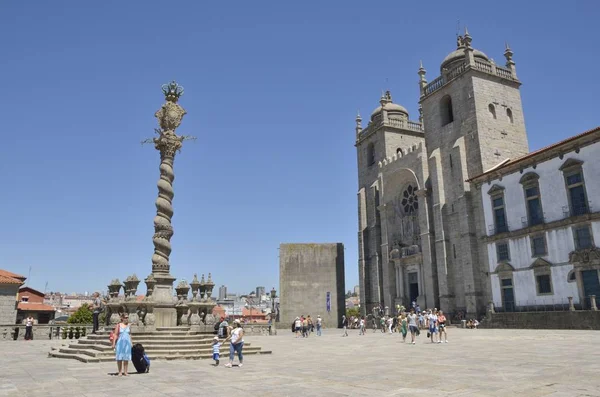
x=473, y=120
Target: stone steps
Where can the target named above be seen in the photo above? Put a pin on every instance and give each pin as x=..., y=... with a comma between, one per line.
x=151, y=353
x=164, y=344
x=89, y=359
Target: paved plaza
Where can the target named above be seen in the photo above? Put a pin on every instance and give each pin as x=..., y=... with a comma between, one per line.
x=474, y=363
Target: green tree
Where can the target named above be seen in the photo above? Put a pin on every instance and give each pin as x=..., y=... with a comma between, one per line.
x=83, y=315
x=352, y=311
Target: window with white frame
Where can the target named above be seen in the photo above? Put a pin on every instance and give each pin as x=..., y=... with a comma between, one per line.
x=502, y=252
x=533, y=199
x=573, y=172
x=538, y=245
x=543, y=284
x=499, y=213
x=583, y=237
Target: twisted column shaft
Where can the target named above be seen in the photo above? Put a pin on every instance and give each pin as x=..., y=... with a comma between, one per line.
x=167, y=143
x=163, y=230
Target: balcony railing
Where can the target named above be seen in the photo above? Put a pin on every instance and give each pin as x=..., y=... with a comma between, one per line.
x=408, y=251
x=578, y=209
x=482, y=66
x=533, y=221
x=493, y=229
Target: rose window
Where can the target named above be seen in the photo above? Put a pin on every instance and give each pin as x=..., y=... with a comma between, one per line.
x=409, y=200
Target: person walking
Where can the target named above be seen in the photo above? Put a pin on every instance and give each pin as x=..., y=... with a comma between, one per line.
x=432, y=321
x=298, y=326
x=29, y=327
x=122, y=344
x=237, y=344
x=403, y=326
x=97, y=308
x=345, y=325
x=319, y=325
x=442, y=326
x=361, y=325
x=412, y=325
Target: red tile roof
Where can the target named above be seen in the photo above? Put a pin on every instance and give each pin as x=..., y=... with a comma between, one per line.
x=5, y=275
x=253, y=312
x=9, y=280
x=521, y=159
x=34, y=307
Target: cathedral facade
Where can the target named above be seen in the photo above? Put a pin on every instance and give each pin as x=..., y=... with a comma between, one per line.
x=419, y=219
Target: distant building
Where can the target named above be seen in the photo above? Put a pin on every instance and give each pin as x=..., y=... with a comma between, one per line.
x=357, y=290
x=222, y=292
x=31, y=302
x=75, y=301
x=260, y=293
x=9, y=289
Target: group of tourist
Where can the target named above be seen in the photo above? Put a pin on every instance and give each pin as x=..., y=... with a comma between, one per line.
x=122, y=344
x=304, y=326
x=404, y=322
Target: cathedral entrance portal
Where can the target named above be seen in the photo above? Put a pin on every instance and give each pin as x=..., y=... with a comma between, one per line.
x=413, y=286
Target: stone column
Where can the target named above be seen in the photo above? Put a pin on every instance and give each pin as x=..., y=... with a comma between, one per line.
x=571, y=305
x=401, y=284
x=593, y=302
x=168, y=144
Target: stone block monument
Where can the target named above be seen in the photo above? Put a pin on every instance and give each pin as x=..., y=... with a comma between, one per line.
x=312, y=282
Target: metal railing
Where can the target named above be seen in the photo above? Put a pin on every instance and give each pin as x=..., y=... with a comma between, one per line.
x=493, y=229
x=576, y=210
x=535, y=306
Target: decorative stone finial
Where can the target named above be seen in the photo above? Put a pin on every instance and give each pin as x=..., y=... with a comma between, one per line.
x=386, y=97
x=172, y=91
x=467, y=39
x=508, y=53
x=421, y=71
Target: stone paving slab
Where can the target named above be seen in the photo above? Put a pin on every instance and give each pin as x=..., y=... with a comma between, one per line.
x=475, y=363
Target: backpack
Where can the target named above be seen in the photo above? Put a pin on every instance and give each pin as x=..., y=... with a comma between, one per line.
x=217, y=325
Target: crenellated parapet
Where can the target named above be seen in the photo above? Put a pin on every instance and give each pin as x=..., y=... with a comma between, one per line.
x=410, y=152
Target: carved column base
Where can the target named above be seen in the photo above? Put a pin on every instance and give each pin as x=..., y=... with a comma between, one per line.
x=115, y=319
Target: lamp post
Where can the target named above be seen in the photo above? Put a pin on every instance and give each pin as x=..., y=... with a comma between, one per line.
x=273, y=295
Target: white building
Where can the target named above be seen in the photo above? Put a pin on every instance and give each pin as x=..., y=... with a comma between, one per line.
x=542, y=222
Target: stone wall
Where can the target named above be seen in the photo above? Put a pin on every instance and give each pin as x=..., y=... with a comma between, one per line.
x=307, y=272
x=583, y=319
x=8, y=303
x=40, y=332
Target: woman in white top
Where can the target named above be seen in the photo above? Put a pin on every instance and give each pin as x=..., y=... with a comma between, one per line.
x=29, y=327
x=237, y=343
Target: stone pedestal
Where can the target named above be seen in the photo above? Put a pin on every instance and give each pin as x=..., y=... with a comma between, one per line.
x=164, y=311
x=165, y=316
x=571, y=305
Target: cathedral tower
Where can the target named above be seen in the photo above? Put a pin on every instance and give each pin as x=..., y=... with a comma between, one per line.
x=473, y=121
x=389, y=134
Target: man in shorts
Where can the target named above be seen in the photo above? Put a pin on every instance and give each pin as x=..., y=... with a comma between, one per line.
x=432, y=321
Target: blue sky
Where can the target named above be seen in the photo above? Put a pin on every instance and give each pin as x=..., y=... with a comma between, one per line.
x=272, y=90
